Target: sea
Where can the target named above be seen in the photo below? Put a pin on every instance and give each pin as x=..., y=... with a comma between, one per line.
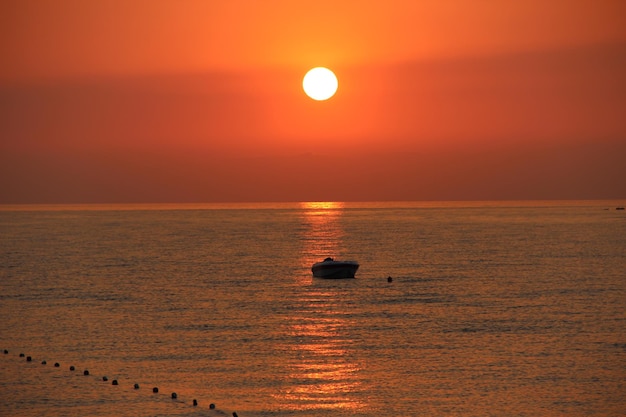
x=458, y=309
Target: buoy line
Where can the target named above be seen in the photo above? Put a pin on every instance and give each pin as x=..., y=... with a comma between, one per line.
x=115, y=382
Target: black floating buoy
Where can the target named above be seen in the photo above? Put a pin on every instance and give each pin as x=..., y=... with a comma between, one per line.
x=389, y=279
x=105, y=379
x=212, y=406
x=72, y=368
x=44, y=362
x=235, y=414
x=195, y=403
x=22, y=355
x=29, y=359
x=155, y=390
x=6, y=351
x=136, y=386
x=57, y=364
x=86, y=372
x=174, y=396
x=114, y=382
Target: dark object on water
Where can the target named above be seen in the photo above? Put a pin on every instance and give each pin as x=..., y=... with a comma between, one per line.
x=195, y=403
x=619, y=208
x=6, y=351
x=57, y=364
x=22, y=355
x=389, y=279
x=174, y=396
x=44, y=362
x=114, y=382
x=155, y=390
x=329, y=268
x=72, y=368
x=29, y=359
x=105, y=379
x=136, y=386
x=86, y=372
x=212, y=406
x=235, y=414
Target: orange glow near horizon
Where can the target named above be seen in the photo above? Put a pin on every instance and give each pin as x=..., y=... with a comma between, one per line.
x=322, y=207
x=204, y=103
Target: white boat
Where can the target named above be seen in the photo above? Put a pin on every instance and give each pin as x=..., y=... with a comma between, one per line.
x=329, y=268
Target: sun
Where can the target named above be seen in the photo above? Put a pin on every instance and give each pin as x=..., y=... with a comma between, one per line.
x=320, y=83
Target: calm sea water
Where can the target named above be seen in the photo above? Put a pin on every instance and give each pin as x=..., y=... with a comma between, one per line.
x=509, y=309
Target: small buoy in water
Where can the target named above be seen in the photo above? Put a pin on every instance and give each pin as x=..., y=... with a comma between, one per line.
x=86, y=372
x=57, y=364
x=389, y=279
x=155, y=390
x=136, y=386
x=22, y=355
x=195, y=403
x=235, y=414
x=105, y=379
x=174, y=396
x=72, y=368
x=44, y=362
x=6, y=351
x=114, y=382
x=29, y=359
x=212, y=406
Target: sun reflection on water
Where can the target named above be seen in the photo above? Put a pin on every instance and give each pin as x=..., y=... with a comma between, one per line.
x=322, y=234
x=322, y=373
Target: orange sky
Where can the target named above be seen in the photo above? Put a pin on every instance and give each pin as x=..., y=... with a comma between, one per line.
x=199, y=101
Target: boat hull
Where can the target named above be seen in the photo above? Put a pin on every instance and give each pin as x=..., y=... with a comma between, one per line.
x=335, y=269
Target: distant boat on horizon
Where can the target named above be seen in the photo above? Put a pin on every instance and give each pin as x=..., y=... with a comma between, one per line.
x=329, y=268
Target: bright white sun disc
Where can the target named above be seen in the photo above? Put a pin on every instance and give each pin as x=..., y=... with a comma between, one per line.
x=320, y=83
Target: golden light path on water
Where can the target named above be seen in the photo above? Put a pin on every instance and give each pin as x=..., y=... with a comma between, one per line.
x=323, y=374
x=322, y=233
